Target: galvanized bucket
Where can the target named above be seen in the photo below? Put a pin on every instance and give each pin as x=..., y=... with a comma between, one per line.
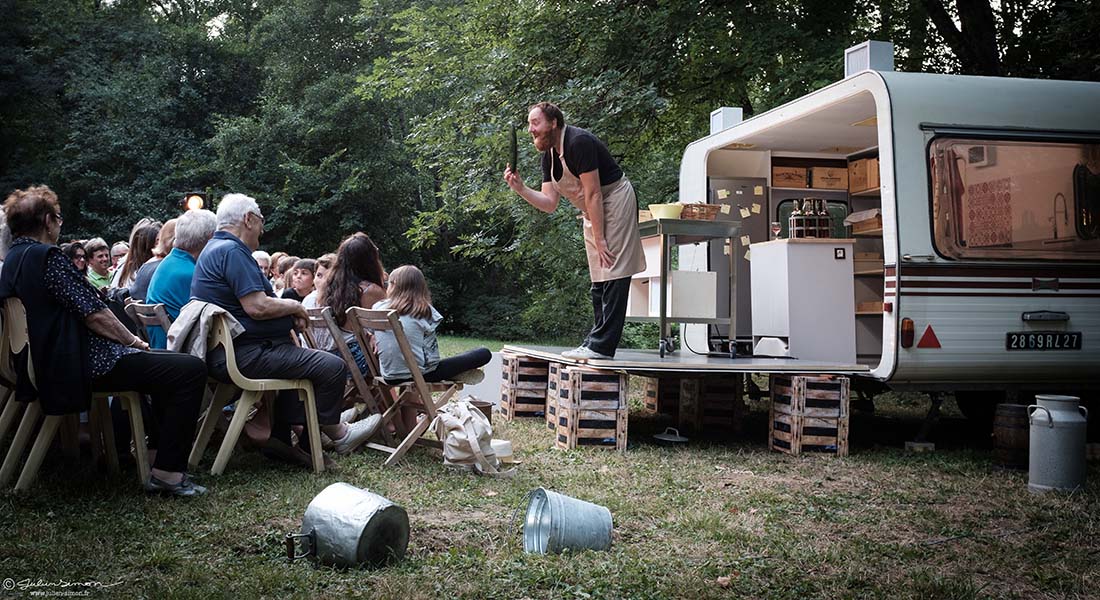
x=556, y=522
x=1057, y=454
x=345, y=526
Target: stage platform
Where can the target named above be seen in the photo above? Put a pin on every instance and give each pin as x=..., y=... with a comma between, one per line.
x=649, y=362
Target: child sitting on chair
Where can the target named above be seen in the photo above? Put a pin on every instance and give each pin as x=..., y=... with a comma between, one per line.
x=408, y=294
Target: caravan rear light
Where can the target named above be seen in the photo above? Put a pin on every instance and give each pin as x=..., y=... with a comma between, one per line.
x=908, y=332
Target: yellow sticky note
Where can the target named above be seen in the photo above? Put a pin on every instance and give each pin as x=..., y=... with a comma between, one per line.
x=745, y=240
x=748, y=255
x=723, y=194
x=745, y=213
x=755, y=208
x=758, y=190
x=725, y=209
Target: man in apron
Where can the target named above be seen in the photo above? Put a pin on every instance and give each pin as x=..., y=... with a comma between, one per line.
x=577, y=165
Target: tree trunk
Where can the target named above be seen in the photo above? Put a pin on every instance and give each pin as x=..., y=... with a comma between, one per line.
x=975, y=43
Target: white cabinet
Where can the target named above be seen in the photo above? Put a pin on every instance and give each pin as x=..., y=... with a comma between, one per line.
x=691, y=295
x=803, y=305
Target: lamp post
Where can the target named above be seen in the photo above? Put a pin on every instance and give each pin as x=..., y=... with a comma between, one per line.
x=193, y=201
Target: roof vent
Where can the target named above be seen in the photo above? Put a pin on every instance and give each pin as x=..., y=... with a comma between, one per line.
x=870, y=55
x=724, y=118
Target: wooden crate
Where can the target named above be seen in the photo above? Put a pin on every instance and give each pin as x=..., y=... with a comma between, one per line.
x=523, y=386
x=557, y=384
x=591, y=409
x=662, y=395
x=715, y=402
x=809, y=413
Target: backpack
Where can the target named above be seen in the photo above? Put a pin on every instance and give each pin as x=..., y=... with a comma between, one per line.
x=467, y=438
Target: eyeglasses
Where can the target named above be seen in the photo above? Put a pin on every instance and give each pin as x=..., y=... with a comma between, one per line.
x=80, y=257
x=58, y=217
x=258, y=216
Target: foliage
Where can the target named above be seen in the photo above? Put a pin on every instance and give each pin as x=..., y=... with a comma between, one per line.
x=392, y=116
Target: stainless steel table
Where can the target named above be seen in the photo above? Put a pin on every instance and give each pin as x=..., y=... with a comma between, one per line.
x=690, y=231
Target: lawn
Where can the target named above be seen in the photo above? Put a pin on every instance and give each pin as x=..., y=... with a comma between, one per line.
x=721, y=518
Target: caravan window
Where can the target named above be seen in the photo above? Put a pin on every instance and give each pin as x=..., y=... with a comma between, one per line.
x=1016, y=199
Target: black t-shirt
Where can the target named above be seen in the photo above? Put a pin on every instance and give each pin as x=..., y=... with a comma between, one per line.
x=292, y=294
x=584, y=152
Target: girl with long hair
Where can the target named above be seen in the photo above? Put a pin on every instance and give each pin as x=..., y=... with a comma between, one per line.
x=408, y=294
x=142, y=239
x=356, y=278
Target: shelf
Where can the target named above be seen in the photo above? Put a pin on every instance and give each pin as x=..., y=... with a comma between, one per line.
x=869, y=313
x=869, y=233
x=870, y=273
x=814, y=190
x=674, y=319
x=869, y=192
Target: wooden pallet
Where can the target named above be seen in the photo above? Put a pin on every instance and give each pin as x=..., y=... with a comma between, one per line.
x=591, y=409
x=714, y=402
x=523, y=386
x=662, y=395
x=809, y=413
x=557, y=384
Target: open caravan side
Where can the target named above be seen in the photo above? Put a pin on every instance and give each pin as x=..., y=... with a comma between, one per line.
x=975, y=258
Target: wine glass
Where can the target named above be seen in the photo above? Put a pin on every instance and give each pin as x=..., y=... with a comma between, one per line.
x=776, y=228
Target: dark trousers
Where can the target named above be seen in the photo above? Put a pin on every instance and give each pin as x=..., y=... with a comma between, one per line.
x=449, y=367
x=609, y=299
x=284, y=360
x=175, y=384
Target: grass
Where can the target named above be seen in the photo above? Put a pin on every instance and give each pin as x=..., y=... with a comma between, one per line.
x=720, y=518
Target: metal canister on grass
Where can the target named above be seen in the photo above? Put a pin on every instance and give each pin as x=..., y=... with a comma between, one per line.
x=556, y=522
x=1056, y=460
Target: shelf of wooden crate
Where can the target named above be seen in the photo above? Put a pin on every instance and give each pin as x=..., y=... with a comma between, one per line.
x=867, y=192
x=868, y=233
x=867, y=273
x=869, y=314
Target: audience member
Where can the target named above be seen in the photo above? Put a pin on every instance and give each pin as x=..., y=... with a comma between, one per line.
x=142, y=239
x=283, y=272
x=163, y=246
x=75, y=252
x=356, y=279
x=77, y=346
x=5, y=239
x=301, y=279
x=228, y=276
x=99, y=262
x=171, y=283
x=275, y=258
x=263, y=260
x=119, y=250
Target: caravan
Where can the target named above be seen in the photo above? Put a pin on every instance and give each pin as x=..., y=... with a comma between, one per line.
x=977, y=262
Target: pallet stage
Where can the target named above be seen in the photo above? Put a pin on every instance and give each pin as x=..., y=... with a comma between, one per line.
x=643, y=362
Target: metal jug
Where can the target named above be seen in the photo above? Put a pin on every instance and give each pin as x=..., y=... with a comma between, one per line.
x=1057, y=443
x=345, y=526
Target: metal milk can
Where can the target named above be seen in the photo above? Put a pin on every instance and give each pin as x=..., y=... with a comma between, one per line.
x=346, y=526
x=1057, y=443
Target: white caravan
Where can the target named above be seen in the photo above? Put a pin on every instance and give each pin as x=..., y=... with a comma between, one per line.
x=988, y=257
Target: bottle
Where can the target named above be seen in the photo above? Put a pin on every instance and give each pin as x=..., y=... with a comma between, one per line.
x=794, y=222
x=824, y=221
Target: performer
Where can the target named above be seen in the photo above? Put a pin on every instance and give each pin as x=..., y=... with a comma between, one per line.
x=578, y=166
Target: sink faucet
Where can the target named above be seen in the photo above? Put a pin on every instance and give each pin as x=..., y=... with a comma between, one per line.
x=1054, y=215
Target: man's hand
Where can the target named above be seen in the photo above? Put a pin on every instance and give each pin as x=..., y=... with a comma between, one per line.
x=607, y=259
x=301, y=319
x=514, y=180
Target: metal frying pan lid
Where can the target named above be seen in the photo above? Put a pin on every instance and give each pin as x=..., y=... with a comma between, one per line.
x=671, y=434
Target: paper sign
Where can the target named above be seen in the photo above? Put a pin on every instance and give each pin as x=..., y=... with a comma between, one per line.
x=748, y=255
x=723, y=194
x=744, y=240
x=745, y=213
x=758, y=190
x=755, y=208
x=725, y=249
x=725, y=209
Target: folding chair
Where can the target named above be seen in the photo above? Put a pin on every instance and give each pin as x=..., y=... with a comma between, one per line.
x=415, y=394
x=148, y=315
x=15, y=320
x=252, y=391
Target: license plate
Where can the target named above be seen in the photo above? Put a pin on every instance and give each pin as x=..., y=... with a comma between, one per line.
x=1043, y=340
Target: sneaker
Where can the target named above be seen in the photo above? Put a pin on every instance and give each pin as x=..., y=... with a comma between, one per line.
x=358, y=433
x=277, y=450
x=584, y=353
x=350, y=415
x=471, y=377
x=185, y=488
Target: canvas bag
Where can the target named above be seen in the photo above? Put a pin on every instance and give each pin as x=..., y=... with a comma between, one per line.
x=467, y=438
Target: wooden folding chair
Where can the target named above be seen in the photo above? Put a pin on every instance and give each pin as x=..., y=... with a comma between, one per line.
x=148, y=315
x=416, y=394
x=376, y=398
x=252, y=391
x=15, y=320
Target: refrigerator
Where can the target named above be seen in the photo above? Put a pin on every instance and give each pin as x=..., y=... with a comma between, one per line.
x=747, y=198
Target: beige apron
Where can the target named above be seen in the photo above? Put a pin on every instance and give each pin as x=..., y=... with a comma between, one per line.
x=620, y=223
